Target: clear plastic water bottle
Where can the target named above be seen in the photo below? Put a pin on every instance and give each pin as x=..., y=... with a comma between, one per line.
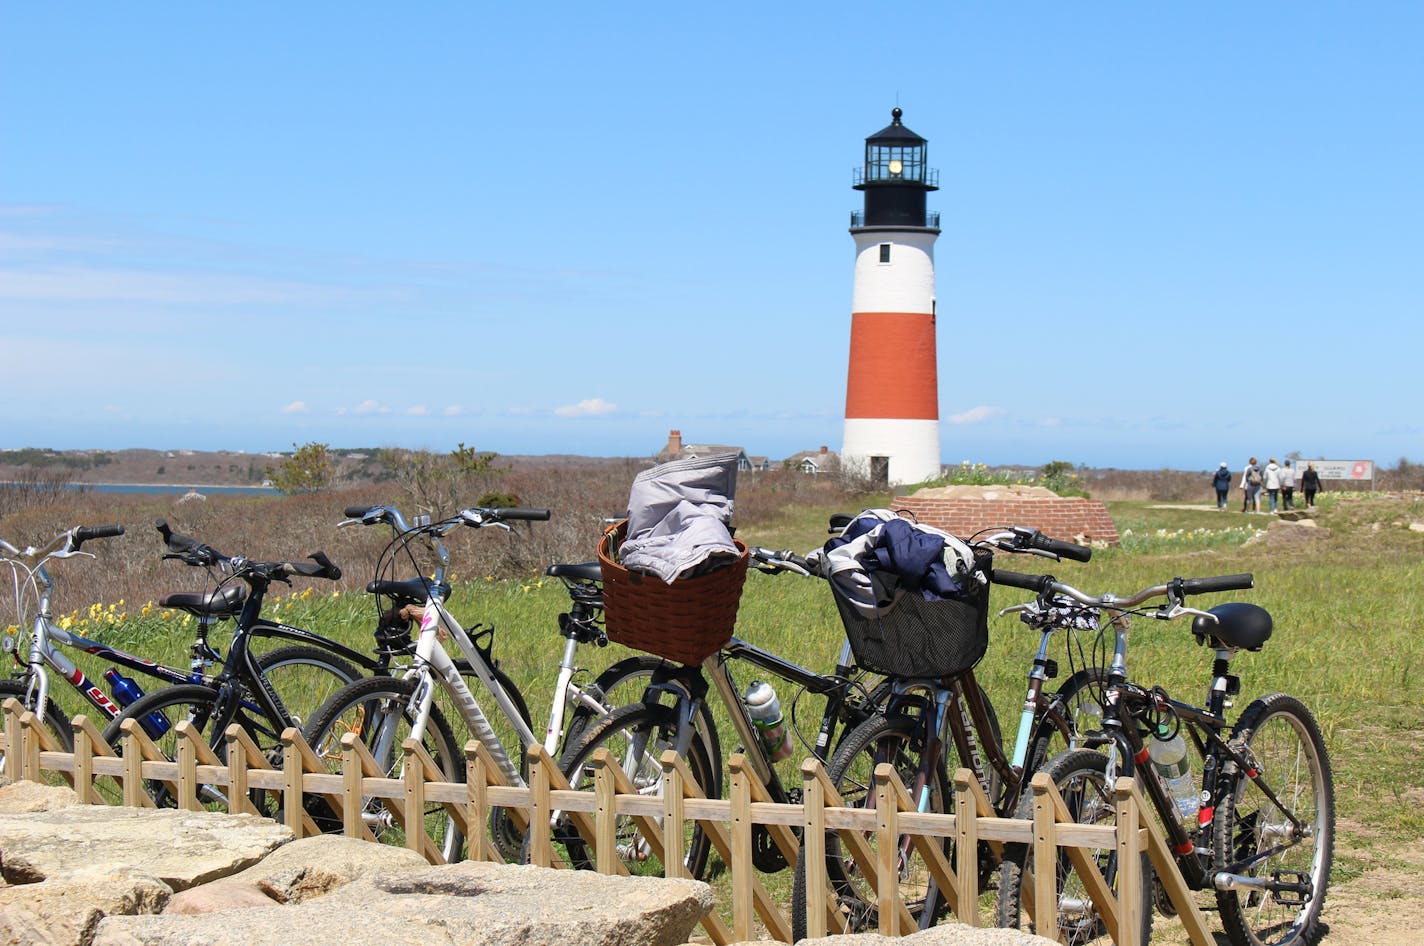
x=1174, y=766
x=765, y=711
x=124, y=689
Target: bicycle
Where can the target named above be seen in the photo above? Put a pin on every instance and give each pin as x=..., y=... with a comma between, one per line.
x=936, y=710
x=673, y=714
x=290, y=669
x=1256, y=826
x=240, y=692
x=386, y=710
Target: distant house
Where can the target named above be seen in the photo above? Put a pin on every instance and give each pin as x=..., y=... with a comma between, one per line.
x=677, y=450
x=815, y=462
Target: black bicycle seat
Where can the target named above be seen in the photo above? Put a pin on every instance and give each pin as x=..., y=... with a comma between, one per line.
x=1238, y=624
x=410, y=591
x=583, y=571
x=224, y=603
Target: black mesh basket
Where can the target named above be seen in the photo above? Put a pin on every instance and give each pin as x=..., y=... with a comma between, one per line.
x=919, y=638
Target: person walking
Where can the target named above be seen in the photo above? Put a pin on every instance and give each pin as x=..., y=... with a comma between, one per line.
x=1287, y=485
x=1310, y=484
x=1251, y=487
x=1273, y=484
x=1222, y=483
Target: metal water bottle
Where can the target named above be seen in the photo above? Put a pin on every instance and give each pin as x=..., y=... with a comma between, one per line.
x=124, y=689
x=1169, y=757
x=765, y=711
x=125, y=693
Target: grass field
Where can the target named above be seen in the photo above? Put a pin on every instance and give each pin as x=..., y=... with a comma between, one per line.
x=1348, y=619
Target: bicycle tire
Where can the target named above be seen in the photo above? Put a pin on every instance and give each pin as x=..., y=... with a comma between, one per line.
x=1080, y=776
x=1286, y=743
x=159, y=713
x=623, y=684
x=53, y=721
x=637, y=735
x=376, y=708
x=894, y=739
x=305, y=677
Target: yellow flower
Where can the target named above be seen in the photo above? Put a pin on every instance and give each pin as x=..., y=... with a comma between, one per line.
x=66, y=622
x=306, y=593
x=146, y=609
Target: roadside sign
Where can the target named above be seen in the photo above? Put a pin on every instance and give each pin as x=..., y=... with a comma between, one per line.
x=1352, y=470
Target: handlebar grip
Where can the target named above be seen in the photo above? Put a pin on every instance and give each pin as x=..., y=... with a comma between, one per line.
x=520, y=512
x=838, y=521
x=85, y=533
x=1201, y=586
x=356, y=512
x=330, y=570
x=1070, y=550
x=1003, y=576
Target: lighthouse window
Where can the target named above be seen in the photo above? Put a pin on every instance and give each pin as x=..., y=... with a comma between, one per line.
x=885, y=252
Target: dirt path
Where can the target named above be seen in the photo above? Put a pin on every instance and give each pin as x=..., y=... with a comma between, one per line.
x=1382, y=907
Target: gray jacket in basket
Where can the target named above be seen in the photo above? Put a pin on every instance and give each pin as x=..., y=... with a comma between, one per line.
x=677, y=517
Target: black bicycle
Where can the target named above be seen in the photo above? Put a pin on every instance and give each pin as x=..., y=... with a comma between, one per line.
x=1252, y=820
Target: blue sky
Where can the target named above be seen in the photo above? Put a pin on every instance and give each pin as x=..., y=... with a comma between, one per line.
x=1172, y=235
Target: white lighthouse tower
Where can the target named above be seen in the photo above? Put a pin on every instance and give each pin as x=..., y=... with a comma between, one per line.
x=892, y=387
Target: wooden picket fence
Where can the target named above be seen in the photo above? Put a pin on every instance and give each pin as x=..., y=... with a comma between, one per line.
x=30, y=753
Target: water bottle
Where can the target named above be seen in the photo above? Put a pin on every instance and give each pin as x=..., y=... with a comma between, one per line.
x=1169, y=757
x=765, y=711
x=124, y=689
x=126, y=692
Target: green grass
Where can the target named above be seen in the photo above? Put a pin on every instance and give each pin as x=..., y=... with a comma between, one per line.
x=1347, y=639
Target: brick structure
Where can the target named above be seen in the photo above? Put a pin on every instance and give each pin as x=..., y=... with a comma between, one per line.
x=1071, y=518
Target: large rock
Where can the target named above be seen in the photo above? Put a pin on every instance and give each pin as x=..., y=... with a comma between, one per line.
x=180, y=848
x=66, y=911
x=490, y=904
x=948, y=933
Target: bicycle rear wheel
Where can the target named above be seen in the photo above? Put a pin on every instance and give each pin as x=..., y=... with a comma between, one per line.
x=1256, y=837
x=637, y=735
x=898, y=740
x=377, y=710
x=305, y=677
x=1081, y=778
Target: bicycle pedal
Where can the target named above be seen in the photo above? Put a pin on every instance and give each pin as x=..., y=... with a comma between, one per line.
x=1294, y=890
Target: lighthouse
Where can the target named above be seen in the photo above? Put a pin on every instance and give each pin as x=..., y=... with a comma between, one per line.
x=892, y=388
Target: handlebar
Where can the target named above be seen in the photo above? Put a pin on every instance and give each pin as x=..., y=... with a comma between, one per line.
x=1036, y=583
x=187, y=549
x=772, y=561
x=494, y=515
x=1174, y=591
x=1028, y=539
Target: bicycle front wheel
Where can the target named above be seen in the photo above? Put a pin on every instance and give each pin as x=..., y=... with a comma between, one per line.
x=898, y=740
x=1287, y=843
x=1081, y=778
x=158, y=715
x=53, y=721
x=637, y=735
x=377, y=709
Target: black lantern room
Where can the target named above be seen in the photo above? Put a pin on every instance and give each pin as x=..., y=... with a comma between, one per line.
x=895, y=180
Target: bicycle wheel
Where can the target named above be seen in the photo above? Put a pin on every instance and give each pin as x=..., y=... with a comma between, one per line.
x=898, y=740
x=1256, y=837
x=622, y=684
x=378, y=710
x=1068, y=721
x=159, y=713
x=53, y=721
x=1081, y=778
x=305, y=677
x=637, y=735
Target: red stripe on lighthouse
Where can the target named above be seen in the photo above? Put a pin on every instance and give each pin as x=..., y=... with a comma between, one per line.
x=892, y=366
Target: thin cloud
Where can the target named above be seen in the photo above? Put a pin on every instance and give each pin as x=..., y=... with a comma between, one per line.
x=454, y=410
x=975, y=415
x=419, y=410
x=296, y=407
x=92, y=284
x=592, y=407
x=369, y=406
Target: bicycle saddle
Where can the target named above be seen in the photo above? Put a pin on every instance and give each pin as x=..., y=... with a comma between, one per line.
x=1238, y=624
x=583, y=571
x=410, y=591
x=224, y=603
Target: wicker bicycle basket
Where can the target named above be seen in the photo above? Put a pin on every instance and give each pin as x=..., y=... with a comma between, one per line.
x=919, y=638
x=687, y=621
